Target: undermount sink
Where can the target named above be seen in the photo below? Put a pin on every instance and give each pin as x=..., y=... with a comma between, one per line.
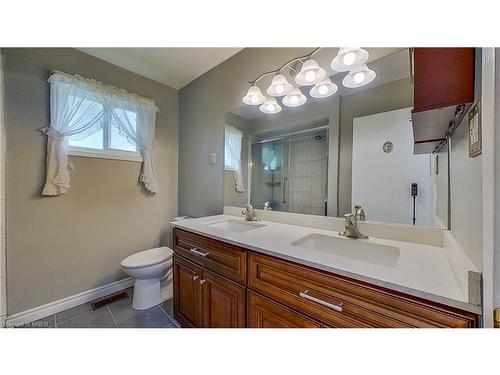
x=350, y=248
x=235, y=226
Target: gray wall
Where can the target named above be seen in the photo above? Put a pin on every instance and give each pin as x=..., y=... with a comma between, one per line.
x=466, y=195
x=60, y=246
x=202, y=106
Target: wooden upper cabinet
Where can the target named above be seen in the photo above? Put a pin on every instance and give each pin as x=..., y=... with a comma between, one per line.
x=443, y=77
x=443, y=81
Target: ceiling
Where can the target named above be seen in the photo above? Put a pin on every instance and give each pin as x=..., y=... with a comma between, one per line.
x=174, y=67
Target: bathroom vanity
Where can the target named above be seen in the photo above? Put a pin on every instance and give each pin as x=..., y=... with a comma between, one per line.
x=226, y=274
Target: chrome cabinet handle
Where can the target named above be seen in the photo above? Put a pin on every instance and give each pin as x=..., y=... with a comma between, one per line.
x=284, y=189
x=195, y=277
x=202, y=281
x=412, y=66
x=197, y=251
x=337, y=307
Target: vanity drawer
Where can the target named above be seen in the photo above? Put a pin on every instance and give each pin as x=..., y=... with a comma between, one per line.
x=225, y=259
x=266, y=313
x=343, y=302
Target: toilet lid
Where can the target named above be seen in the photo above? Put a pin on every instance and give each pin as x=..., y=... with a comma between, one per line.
x=148, y=257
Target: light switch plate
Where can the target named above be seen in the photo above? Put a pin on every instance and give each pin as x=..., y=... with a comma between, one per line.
x=213, y=158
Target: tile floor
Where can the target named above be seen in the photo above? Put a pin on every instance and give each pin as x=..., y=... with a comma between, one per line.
x=119, y=314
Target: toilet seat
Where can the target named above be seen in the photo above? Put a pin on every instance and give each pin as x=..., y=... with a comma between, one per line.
x=148, y=258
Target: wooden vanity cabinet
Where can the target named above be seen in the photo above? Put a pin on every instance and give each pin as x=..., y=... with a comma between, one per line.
x=203, y=299
x=265, y=313
x=205, y=293
x=223, y=258
x=222, y=302
x=187, y=292
x=275, y=293
x=339, y=301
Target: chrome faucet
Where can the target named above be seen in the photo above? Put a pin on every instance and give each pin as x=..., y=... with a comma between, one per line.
x=249, y=213
x=351, y=223
x=267, y=206
x=359, y=213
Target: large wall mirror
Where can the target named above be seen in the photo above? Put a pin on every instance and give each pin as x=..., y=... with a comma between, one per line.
x=325, y=156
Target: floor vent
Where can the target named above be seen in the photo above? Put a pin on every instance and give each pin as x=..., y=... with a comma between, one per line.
x=109, y=300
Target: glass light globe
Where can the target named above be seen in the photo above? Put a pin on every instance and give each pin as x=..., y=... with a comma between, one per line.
x=280, y=89
x=254, y=99
x=270, y=107
x=310, y=76
x=359, y=77
x=323, y=89
x=349, y=58
x=294, y=99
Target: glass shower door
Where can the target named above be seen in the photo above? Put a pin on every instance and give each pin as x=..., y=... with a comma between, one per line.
x=270, y=174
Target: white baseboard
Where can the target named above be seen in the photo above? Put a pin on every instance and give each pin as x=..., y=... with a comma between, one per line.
x=67, y=303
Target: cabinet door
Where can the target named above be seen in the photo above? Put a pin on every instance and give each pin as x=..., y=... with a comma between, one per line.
x=187, y=307
x=346, y=303
x=265, y=313
x=443, y=77
x=223, y=302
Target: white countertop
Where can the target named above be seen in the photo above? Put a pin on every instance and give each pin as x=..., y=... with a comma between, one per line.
x=435, y=273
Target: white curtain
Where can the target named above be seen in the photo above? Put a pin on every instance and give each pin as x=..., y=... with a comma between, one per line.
x=138, y=125
x=232, y=156
x=77, y=108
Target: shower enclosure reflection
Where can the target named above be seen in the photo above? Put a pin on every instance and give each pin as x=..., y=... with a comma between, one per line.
x=290, y=172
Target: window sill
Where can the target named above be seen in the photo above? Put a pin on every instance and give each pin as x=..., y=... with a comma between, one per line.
x=108, y=154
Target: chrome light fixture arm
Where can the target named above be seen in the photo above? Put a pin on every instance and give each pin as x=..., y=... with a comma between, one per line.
x=277, y=71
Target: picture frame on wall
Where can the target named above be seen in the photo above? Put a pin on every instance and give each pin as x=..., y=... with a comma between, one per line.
x=475, y=140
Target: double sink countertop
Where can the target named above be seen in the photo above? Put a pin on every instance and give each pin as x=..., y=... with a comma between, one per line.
x=435, y=273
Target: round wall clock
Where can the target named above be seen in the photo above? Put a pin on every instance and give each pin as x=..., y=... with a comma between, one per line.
x=387, y=147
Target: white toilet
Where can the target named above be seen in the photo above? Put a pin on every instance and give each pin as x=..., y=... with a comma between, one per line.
x=147, y=268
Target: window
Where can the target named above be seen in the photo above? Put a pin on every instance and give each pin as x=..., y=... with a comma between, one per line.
x=232, y=148
x=89, y=118
x=232, y=155
x=107, y=141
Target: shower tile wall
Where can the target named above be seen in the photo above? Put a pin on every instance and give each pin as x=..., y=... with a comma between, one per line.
x=308, y=174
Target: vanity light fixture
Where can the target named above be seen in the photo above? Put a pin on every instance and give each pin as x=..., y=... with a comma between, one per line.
x=359, y=77
x=295, y=98
x=279, y=86
x=352, y=59
x=310, y=73
x=254, y=96
x=349, y=58
x=323, y=89
x=270, y=106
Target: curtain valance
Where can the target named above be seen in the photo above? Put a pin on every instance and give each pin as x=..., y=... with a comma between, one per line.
x=77, y=108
